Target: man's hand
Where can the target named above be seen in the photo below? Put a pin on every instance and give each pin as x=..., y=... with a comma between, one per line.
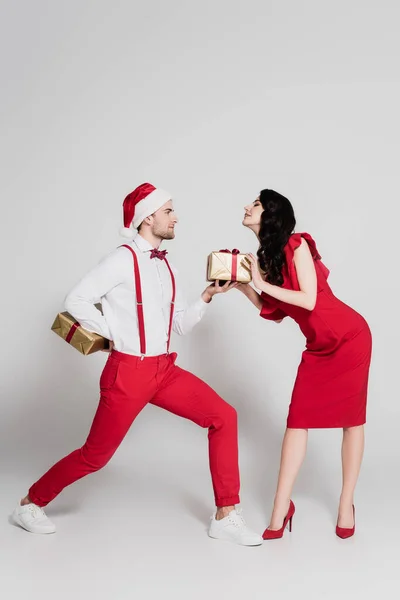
x=110, y=347
x=215, y=288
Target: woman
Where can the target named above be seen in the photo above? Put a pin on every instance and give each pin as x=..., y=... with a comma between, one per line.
x=331, y=384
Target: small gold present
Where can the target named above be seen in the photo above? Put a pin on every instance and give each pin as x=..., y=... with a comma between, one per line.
x=228, y=265
x=74, y=334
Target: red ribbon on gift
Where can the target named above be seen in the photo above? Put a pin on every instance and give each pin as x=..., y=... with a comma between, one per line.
x=71, y=333
x=234, y=253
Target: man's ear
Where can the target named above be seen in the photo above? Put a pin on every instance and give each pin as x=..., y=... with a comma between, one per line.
x=149, y=220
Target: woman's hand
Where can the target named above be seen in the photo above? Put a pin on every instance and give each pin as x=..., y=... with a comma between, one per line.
x=257, y=278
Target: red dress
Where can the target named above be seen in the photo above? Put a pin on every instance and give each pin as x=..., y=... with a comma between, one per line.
x=331, y=384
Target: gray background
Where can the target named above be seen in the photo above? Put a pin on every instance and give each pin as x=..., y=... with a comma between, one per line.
x=212, y=102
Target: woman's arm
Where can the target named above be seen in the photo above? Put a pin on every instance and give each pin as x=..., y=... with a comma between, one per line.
x=306, y=275
x=251, y=294
x=255, y=298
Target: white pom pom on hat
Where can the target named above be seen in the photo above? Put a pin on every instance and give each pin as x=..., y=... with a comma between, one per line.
x=126, y=232
x=139, y=204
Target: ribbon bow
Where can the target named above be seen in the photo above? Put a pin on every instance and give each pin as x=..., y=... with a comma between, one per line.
x=160, y=254
x=234, y=251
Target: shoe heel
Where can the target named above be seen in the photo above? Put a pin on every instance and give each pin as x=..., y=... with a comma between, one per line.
x=290, y=524
x=273, y=534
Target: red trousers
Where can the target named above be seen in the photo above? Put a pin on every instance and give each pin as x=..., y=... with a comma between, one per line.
x=127, y=384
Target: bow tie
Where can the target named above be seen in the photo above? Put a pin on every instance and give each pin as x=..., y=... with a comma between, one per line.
x=160, y=254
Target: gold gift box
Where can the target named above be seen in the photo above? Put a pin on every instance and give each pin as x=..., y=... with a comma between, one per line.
x=221, y=266
x=82, y=340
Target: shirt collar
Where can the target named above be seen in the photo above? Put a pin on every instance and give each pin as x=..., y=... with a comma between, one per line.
x=142, y=244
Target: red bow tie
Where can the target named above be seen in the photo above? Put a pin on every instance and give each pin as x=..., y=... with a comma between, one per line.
x=158, y=254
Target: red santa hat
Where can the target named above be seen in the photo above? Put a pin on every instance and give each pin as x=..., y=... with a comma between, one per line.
x=141, y=203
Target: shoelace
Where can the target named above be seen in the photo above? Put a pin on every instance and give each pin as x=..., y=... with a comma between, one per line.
x=36, y=511
x=237, y=520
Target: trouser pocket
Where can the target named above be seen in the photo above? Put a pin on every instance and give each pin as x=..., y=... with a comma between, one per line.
x=109, y=374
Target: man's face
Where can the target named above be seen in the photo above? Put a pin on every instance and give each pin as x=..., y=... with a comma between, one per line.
x=164, y=221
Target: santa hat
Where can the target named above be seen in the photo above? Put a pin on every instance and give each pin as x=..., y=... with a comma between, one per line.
x=141, y=203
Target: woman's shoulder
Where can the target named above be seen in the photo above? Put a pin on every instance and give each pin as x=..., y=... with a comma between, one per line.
x=295, y=241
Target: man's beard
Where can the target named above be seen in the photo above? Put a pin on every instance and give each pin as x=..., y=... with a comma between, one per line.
x=164, y=234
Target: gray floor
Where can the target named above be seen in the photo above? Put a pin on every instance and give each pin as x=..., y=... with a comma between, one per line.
x=140, y=531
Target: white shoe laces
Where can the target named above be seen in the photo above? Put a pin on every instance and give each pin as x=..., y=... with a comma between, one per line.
x=36, y=511
x=237, y=519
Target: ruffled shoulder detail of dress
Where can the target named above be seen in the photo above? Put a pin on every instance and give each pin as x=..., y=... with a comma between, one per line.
x=293, y=243
x=270, y=309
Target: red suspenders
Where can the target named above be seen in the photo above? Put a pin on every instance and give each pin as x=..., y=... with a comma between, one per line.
x=139, y=302
x=171, y=314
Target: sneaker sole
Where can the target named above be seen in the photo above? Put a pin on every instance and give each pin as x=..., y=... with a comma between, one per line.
x=18, y=522
x=232, y=541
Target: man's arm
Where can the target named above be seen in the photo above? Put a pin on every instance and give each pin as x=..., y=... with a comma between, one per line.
x=92, y=287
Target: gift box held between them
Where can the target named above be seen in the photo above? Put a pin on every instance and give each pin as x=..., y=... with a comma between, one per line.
x=228, y=265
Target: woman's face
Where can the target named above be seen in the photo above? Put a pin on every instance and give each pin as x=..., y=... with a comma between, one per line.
x=252, y=214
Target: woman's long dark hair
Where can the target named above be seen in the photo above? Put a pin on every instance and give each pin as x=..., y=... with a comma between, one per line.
x=277, y=224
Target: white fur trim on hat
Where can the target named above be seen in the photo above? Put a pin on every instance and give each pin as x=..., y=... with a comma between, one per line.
x=146, y=207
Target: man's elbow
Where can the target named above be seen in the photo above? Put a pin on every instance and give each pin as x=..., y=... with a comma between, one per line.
x=183, y=326
x=72, y=302
x=178, y=328
x=179, y=331
x=69, y=303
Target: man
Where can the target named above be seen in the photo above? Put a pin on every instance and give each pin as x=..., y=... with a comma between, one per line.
x=142, y=303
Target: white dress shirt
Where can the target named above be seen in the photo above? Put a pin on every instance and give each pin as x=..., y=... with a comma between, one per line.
x=112, y=282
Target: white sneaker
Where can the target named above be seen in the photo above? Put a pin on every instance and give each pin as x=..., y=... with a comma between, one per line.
x=33, y=518
x=234, y=529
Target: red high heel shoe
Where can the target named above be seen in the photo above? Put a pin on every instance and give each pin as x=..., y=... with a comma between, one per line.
x=274, y=534
x=346, y=532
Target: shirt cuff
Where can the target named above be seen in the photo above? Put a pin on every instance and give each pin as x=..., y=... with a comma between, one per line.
x=201, y=306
